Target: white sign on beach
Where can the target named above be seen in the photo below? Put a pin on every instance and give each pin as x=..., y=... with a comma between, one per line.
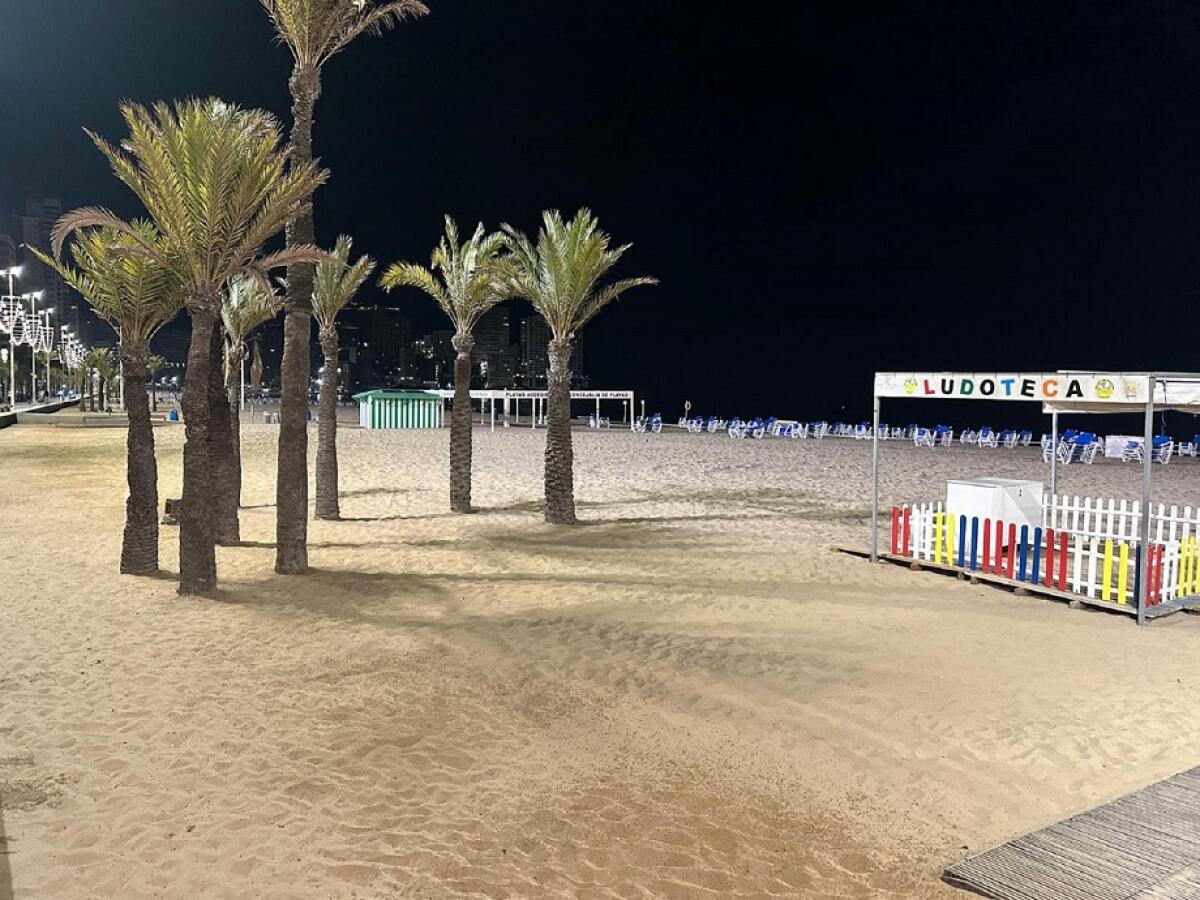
x=575, y=395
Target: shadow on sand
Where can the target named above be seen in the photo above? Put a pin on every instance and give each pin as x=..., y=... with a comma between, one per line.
x=6, y=883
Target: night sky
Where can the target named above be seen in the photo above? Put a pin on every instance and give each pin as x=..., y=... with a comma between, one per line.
x=823, y=192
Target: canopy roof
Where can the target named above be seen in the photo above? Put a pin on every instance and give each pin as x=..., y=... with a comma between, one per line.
x=1172, y=390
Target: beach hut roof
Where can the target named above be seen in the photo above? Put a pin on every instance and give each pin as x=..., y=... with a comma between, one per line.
x=383, y=393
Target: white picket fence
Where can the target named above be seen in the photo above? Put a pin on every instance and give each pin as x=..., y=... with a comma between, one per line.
x=1105, y=517
x=1086, y=546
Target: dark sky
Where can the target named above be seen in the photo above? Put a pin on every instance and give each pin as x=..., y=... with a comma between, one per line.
x=823, y=192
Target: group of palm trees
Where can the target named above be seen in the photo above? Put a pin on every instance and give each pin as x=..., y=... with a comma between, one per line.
x=219, y=184
x=559, y=275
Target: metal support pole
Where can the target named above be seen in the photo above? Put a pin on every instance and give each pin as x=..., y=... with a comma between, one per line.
x=32, y=351
x=1054, y=454
x=875, y=483
x=1147, y=462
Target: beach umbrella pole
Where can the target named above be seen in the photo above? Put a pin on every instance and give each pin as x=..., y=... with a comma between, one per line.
x=1147, y=461
x=1053, y=454
x=875, y=482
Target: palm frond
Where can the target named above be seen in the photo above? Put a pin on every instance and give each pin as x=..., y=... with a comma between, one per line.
x=337, y=281
x=315, y=30
x=560, y=273
x=247, y=305
x=465, y=278
x=127, y=286
x=216, y=182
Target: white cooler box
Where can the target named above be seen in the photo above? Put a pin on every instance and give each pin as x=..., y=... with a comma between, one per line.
x=1007, y=499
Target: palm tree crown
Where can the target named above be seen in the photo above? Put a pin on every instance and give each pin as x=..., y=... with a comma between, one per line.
x=559, y=274
x=316, y=30
x=247, y=305
x=337, y=281
x=132, y=292
x=465, y=279
x=217, y=185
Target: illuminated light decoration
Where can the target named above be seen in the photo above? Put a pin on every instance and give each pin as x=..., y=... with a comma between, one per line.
x=10, y=312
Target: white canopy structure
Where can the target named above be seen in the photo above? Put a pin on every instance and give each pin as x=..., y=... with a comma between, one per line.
x=537, y=401
x=1066, y=391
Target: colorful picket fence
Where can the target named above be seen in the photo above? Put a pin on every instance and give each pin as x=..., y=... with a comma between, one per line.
x=1095, y=562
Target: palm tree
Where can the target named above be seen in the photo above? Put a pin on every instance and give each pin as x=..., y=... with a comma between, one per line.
x=247, y=305
x=91, y=365
x=466, y=280
x=218, y=185
x=559, y=277
x=315, y=31
x=137, y=297
x=336, y=284
x=154, y=364
x=256, y=367
x=106, y=373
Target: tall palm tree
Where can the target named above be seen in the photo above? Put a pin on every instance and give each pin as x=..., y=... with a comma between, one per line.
x=247, y=305
x=106, y=372
x=154, y=365
x=466, y=280
x=217, y=184
x=256, y=367
x=336, y=284
x=559, y=276
x=137, y=296
x=315, y=31
x=92, y=360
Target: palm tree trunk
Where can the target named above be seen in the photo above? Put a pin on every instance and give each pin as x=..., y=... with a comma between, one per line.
x=153, y=394
x=291, y=490
x=327, y=461
x=233, y=391
x=226, y=477
x=460, y=426
x=139, y=546
x=197, y=551
x=560, y=461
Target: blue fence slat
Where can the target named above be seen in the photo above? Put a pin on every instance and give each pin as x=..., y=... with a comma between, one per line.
x=974, y=543
x=1037, y=555
x=1024, y=551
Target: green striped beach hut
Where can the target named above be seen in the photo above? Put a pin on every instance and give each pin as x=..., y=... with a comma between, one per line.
x=383, y=409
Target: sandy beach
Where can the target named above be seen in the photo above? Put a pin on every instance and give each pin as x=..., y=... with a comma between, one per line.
x=690, y=695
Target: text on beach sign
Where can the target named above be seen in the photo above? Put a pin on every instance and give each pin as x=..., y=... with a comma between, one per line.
x=1039, y=386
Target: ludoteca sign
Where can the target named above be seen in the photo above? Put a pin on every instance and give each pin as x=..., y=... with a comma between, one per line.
x=1039, y=386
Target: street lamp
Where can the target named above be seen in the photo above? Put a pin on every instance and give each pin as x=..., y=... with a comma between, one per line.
x=46, y=343
x=10, y=316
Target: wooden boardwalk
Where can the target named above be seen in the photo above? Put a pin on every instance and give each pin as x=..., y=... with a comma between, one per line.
x=1144, y=846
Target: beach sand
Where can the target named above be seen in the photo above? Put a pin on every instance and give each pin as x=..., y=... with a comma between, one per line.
x=689, y=695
